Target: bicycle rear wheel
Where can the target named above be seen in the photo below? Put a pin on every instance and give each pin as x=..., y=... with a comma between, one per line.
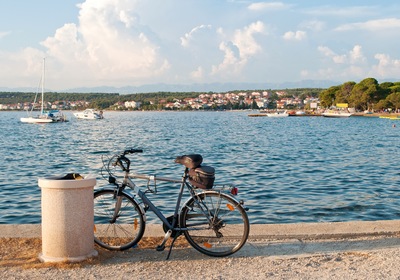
x=216, y=224
x=118, y=220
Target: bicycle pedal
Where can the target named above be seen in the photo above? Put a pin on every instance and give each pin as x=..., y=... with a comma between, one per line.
x=160, y=248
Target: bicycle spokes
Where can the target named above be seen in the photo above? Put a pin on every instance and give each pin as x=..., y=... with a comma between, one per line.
x=215, y=223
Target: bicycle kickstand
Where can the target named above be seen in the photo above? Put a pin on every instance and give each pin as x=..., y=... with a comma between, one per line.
x=161, y=247
x=170, y=248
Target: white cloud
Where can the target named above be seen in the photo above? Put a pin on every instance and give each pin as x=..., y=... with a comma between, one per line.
x=386, y=67
x=314, y=25
x=354, y=56
x=188, y=37
x=337, y=11
x=372, y=25
x=108, y=44
x=261, y=6
x=231, y=62
x=245, y=40
x=65, y=45
x=297, y=36
x=26, y=63
x=326, y=51
x=339, y=59
x=237, y=51
x=350, y=65
x=4, y=34
x=198, y=73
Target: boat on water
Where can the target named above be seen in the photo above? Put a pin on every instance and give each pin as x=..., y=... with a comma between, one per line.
x=341, y=110
x=297, y=113
x=278, y=114
x=52, y=116
x=336, y=114
x=90, y=114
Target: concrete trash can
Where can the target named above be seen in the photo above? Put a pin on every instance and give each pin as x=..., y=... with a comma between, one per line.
x=67, y=218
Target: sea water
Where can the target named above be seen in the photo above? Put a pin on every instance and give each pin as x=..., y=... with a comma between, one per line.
x=288, y=170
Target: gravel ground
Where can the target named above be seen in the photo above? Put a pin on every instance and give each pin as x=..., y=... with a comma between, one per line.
x=358, y=258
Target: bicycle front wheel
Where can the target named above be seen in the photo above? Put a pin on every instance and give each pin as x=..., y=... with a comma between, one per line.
x=118, y=220
x=215, y=224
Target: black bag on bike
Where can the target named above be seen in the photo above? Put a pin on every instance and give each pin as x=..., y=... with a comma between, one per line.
x=190, y=161
x=202, y=177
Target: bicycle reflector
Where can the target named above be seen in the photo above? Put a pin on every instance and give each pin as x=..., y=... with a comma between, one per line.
x=234, y=191
x=230, y=207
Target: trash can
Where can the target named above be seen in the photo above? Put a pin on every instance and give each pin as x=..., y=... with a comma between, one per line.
x=67, y=218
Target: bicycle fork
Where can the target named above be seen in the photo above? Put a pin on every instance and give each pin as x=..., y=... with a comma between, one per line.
x=117, y=208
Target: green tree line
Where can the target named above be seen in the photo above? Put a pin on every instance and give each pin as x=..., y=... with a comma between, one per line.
x=368, y=94
x=149, y=101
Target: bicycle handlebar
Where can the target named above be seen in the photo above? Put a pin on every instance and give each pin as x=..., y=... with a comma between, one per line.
x=132, y=151
x=123, y=161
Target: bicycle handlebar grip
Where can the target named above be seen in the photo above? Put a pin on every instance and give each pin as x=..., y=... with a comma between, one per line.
x=132, y=151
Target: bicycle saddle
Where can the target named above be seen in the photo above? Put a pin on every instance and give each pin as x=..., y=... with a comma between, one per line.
x=190, y=161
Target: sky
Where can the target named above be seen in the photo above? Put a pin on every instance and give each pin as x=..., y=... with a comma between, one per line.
x=121, y=43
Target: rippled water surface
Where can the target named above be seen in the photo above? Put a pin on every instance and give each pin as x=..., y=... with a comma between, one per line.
x=288, y=170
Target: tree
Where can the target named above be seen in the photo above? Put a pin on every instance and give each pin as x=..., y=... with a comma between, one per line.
x=254, y=105
x=382, y=104
x=394, y=99
x=102, y=103
x=327, y=97
x=386, y=85
x=364, y=94
x=343, y=94
x=395, y=87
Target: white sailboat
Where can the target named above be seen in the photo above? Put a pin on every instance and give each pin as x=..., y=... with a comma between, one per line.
x=44, y=117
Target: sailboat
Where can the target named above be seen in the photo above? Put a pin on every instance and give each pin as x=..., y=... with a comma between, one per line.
x=51, y=116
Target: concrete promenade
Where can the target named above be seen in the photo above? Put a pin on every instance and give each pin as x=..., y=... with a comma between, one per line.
x=315, y=231
x=348, y=250
x=278, y=240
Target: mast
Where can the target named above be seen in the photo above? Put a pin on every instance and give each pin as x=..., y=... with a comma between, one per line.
x=43, y=73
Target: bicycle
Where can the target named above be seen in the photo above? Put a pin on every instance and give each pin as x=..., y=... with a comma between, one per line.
x=211, y=219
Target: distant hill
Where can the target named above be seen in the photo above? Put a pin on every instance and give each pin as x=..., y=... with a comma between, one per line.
x=211, y=87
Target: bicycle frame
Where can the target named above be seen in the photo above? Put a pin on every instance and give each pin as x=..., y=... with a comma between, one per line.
x=128, y=182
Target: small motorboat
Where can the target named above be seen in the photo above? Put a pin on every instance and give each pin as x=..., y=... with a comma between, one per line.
x=336, y=114
x=278, y=114
x=90, y=114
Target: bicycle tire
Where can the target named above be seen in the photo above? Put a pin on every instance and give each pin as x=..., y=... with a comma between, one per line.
x=215, y=224
x=128, y=227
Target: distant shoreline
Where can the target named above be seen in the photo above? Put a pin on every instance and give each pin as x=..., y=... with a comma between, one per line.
x=370, y=115
x=359, y=114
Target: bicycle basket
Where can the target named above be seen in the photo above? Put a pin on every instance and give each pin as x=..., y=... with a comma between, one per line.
x=202, y=177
